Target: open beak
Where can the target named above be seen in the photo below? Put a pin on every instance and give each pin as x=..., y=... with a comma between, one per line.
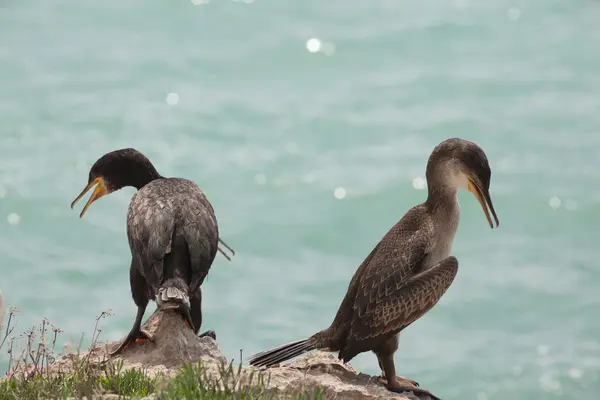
x=99, y=191
x=483, y=196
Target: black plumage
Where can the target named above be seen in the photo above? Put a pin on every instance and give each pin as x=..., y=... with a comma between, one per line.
x=173, y=235
x=406, y=273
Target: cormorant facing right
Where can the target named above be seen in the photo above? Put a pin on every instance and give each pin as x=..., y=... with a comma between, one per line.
x=173, y=236
x=408, y=271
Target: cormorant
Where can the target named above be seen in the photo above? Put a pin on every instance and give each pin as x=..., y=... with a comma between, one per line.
x=407, y=272
x=173, y=236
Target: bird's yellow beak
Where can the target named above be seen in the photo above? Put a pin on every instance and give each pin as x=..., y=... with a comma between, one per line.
x=99, y=191
x=486, y=202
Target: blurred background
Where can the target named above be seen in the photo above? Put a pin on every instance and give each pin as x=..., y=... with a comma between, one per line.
x=309, y=125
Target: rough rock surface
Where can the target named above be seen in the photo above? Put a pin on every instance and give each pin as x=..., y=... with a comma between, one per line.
x=174, y=344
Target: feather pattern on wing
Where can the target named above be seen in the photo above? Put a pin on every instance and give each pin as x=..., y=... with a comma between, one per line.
x=399, y=255
x=398, y=304
x=165, y=209
x=380, y=302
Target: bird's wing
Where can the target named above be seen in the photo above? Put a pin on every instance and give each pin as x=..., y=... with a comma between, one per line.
x=386, y=306
x=391, y=292
x=202, y=235
x=150, y=228
x=167, y=208
x=400, y=252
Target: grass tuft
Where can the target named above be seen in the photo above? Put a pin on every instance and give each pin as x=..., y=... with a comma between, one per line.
x=132, y=382
x=33, y=374
x=194, y=381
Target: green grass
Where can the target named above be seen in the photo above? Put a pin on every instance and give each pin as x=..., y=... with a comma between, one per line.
x=191, y=382
x=31, y=375
x=78, y=383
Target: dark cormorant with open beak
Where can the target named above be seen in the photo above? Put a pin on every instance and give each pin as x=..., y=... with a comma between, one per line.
x=173, y=236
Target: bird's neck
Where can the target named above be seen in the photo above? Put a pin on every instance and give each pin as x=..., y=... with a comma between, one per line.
x=444, y=215
x=144, y=177
x=442, y=203
x=443, y=181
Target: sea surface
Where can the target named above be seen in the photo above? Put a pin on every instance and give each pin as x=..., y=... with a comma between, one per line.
x=309, y=124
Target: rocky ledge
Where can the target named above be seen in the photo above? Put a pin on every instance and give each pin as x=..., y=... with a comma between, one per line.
x=175, y=344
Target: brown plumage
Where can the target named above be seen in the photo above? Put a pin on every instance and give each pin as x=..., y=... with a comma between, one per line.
x=406, y=273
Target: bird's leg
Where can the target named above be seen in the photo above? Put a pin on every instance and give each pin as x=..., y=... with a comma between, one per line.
x=196, y=314
x=388, y=370
x=137, y=334
x=398, y=384
x=381, y=367
x=383, y=379
x=389, y=347
x=184, y=310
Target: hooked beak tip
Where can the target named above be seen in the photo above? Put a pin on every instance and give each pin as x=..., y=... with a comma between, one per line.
x=486, y=203
x=99, y=191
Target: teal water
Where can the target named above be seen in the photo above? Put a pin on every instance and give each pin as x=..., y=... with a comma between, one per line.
x=270, y=130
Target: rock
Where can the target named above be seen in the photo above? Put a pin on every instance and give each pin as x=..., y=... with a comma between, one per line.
x=175, y=344
x=339, y=381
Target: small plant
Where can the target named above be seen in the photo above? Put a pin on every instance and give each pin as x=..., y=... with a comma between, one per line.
x=132, y=382
x=33, y=374
x=195, y=382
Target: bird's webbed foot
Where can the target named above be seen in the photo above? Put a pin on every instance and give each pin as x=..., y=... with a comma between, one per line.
x=400, y=379
x=134, y=337
x=401, y=384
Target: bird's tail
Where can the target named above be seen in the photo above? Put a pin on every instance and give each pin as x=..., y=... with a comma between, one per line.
x=173, y=295
x=282, y=353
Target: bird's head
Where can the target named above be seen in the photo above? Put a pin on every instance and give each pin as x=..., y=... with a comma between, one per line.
x=115, y=170
x=458, y=163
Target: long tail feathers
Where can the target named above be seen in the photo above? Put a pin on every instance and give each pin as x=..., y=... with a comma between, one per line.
x=171, y=294
x=281, y=353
